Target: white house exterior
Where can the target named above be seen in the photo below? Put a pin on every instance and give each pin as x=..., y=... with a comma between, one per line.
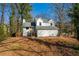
x=42, y=27
x=46, y=28
x=26, y=28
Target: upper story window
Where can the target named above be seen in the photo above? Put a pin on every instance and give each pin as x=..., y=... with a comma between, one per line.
x=27, y=27
x=51, y=24
x=40, y=23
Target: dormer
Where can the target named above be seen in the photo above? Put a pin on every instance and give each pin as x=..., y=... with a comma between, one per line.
x=51, y=22
x=39, y=22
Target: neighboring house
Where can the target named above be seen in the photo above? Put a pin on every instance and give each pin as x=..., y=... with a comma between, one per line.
x=42, y=27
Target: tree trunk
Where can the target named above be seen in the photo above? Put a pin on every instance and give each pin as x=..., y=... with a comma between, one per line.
x=20, y=30
x=77, y=32
x=2, y=17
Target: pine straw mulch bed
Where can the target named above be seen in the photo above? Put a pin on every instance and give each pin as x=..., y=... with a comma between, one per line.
x=43, y=46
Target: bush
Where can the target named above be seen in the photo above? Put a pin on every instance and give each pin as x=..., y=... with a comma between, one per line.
x=3, y=33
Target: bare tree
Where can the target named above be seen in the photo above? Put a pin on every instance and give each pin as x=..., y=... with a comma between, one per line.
x=2, y=17
x=60, y=15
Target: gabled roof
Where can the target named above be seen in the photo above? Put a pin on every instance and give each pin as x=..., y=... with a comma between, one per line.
x=27, y=24
x=44, y=20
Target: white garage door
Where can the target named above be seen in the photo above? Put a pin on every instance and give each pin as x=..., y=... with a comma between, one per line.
x=42, y=33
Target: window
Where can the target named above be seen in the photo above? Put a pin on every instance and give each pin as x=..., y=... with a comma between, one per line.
x=33, y=24
x=40, y=23
x=27, y=27
x=51, y=24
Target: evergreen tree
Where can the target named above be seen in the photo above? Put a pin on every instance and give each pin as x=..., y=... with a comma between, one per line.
x=74, y=14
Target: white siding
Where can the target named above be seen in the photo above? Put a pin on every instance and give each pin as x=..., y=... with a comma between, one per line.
x=45, y=24
x=25, y=31
x=38, y=21
x=24, y=21
x=51, y=21
x=42, y=33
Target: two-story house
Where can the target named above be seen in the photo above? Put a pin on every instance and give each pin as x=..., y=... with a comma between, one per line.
x=42, y=27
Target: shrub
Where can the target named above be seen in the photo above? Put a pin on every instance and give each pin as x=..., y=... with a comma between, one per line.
x=3, y=33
